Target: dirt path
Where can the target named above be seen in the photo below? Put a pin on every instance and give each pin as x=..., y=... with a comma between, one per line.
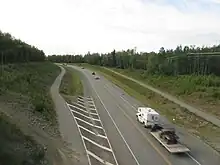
x=67, y=126
x=192, y=109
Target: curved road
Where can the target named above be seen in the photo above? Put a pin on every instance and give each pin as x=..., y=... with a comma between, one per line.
x=131, y=142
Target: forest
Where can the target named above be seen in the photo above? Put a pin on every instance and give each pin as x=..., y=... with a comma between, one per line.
x=14, y=50
x=181, y=61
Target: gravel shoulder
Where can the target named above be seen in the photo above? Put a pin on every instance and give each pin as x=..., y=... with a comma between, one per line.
x=67, y=126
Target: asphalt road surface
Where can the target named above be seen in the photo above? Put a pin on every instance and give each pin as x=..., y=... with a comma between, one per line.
x=131, y=142
x=211, y=118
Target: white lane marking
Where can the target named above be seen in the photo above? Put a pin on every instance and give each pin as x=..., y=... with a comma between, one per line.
x=73, y=106
x=76, y=104
x=128, y=103
x=81, y=109
x=80, y=102
x=98, y=135
x=98, y=158
x=98, y=145
x=125, y=100
x=104, y=137
x=136, y=110
x=116, y=126
x=92, y=109
x=105, y=133
x=193, y=158
x=90, y=101
x=85, y=115
x=88, y=123
x=143, y=134
x=81, y=137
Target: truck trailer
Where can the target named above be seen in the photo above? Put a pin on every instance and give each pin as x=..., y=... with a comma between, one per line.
x=168, y=138
x=162, y=133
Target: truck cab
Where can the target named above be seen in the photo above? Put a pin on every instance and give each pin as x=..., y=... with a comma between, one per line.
x=147, y=116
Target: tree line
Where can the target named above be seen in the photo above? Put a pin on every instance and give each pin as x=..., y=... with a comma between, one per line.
x=14, y=50
x=180, y=61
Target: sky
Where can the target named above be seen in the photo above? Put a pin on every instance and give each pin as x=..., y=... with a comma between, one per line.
x=79, y=26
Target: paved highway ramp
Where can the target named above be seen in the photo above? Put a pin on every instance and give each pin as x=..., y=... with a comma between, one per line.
x=131, y=142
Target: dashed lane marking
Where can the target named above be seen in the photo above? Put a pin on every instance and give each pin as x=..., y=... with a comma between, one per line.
x=136, y=110
x=100, y=146
x=98, y=158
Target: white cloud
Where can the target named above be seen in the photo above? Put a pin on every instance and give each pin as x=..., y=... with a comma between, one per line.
x=78, y=26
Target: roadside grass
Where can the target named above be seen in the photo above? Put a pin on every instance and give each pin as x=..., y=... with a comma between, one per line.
x=16, y=148
x=204, y=130
x=71, y=85
x=201, y=91
x=31, y=81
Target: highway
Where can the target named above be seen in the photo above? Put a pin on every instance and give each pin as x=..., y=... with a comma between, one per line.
x=130, y=141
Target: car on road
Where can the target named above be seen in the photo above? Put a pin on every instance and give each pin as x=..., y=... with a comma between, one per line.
x=97, y=77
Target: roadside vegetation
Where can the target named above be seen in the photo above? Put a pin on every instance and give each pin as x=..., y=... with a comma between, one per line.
x=27, y=118
x=30, y=81
x=16, y=148
x=183, y=118
x=202, y=91
x=71, y=85
x=188, y=72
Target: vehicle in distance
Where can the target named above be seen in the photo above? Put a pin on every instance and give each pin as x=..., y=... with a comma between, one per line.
x=166, y=136
x=97, y=77
x=93, y=73
x=82, y=67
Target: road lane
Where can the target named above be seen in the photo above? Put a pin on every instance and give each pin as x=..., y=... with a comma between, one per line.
x=122, y=109
x=141, y=151
x=154, y=146
x=120, y=149
x=200, y=152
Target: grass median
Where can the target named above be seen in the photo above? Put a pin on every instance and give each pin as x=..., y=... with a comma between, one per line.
x=204, y=130
x=71, y=85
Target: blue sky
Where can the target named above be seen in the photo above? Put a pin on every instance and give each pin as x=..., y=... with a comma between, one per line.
x=79, y=26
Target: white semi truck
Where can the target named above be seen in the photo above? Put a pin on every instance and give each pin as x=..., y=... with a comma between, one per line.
x=165, y=135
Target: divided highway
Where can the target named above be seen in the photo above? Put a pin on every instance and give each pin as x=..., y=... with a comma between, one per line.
x=131, y=143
